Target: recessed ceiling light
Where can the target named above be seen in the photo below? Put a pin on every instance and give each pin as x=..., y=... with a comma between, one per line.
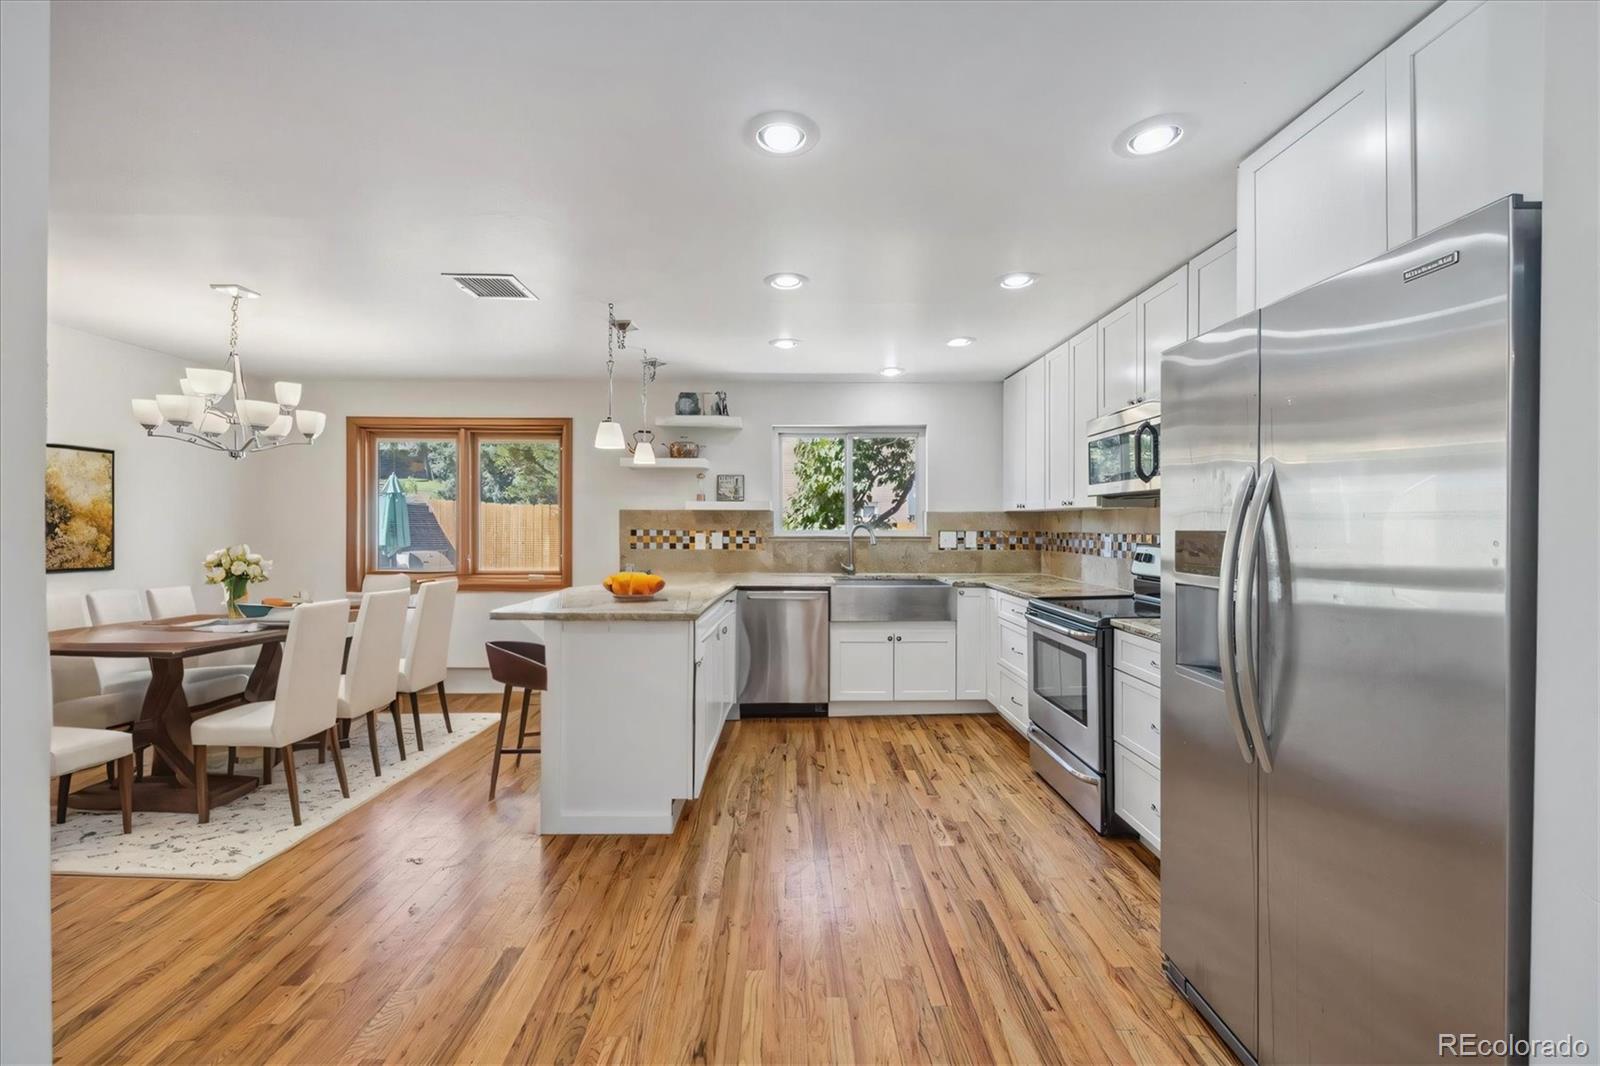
x=1017, y=279
x=1152, y=135
x=958, y=342
x=892, y=371
x=784, y=342
x=786, y=280
x=782, y=132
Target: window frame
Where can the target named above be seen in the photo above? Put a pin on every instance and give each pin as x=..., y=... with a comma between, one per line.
x=848, y=432
x=362, y=435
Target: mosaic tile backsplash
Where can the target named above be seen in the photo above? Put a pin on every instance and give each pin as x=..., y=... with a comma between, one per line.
x=1077, y=542
x=695, y=539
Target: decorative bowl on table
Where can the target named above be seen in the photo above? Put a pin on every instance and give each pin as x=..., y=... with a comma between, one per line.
x=632, y=586
x=256, y=610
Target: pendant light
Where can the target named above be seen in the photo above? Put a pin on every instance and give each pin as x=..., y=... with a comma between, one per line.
x=608, y=434
x=644, y=449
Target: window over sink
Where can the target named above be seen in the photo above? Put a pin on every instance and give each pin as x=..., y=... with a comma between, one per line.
x=831, y=477
x=486, y=499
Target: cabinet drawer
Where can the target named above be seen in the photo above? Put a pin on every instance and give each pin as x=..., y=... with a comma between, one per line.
x=1137, y=656
x=1012, y=609
x=1136, y=706
x=1013, y=652
x=1138, y=796
x=1014, y=702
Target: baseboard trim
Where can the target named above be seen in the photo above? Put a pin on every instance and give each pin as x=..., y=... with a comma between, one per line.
x=868, y=708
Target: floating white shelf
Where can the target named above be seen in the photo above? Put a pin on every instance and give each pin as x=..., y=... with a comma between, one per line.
x=731, y=422
x=667, y=464
x=715, y=505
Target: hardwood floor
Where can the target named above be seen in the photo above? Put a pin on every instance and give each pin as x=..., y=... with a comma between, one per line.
x=847, y=890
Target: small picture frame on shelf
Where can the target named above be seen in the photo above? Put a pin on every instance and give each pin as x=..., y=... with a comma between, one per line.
x=730, y=488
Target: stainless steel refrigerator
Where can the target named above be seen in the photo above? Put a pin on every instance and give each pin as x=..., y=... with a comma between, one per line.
x=1347, y=530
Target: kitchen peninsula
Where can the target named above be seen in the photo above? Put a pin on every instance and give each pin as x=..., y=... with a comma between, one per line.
x=639, y=692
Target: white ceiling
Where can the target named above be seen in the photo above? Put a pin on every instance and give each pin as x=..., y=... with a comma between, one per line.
x=339, y=156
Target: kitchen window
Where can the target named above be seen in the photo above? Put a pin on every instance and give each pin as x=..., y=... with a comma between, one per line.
x=485, y=499
x=831, y=477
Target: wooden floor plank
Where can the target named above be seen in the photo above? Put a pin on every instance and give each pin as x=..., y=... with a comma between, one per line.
x=883, y=890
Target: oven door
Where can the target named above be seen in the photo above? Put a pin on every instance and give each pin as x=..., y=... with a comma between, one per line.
x=1064, y=687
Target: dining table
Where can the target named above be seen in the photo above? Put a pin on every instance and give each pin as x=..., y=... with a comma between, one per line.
x=164, y=716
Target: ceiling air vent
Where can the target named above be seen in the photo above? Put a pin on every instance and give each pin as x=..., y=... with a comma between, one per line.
x=492, y=286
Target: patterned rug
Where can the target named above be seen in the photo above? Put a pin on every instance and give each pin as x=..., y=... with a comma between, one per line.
x=258, y=826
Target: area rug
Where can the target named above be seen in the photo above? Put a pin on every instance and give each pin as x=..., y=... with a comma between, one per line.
x=258, y=826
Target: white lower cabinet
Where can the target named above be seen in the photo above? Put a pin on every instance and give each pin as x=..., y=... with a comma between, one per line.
x=715, y=667
x=880, y=661
x=1136, y=730
x=972, y=644
x=1013, y=704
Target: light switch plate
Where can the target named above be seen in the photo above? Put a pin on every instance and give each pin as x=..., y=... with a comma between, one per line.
x=947, y=540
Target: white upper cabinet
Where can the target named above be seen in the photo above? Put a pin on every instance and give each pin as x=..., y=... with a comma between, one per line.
x=1120, y=375
x=1060, y=430
x=1445, y=120
x=1013, y=442
x=1162, y=313
x=1314, y=199
x=1034, y=433
x=1213, y=281
x=1466, y=102
x=1083, y=352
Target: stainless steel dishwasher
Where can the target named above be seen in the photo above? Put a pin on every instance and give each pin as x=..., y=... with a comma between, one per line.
x=783, y=652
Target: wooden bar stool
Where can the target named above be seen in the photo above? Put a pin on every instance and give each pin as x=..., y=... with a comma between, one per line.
x=515, y=664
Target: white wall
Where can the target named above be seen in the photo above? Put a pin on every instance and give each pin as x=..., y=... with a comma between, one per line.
x=1566, y=835
x=24, y=703
x=296, y=515
x=175, y=501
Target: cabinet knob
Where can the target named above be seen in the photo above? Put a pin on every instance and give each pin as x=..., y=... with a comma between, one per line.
x=896, y=638
x=889, y=637
x=1154, y=809
x=1154, y=728
x=724, y=630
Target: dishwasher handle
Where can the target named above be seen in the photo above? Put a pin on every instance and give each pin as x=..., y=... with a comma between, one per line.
x=787, y=594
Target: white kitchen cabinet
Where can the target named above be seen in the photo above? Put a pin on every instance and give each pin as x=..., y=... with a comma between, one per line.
x=1120, y=376
x=1034, y=406
x=1137, y=656
x=1138, y=796
x=1083, y=352
x=1013, y=704
x=1213, y=281
x=861, y=661
x=1014, y=442
x=1162, y=317
x=1138, y=716
x=972, y=643
x=991, y=632
x=1060, y=473
x=714, y=667
x=924, y=661
x=1465, y=112
x=1313, y=200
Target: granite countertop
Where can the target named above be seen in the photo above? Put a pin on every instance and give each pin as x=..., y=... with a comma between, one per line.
x=688, y=597
x=1149, y=628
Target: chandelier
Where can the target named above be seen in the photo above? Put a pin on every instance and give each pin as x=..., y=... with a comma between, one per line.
x=196, y=414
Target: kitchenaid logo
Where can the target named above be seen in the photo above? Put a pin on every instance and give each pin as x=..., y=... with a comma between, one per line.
x=1429, y=267
x=1473, y=1046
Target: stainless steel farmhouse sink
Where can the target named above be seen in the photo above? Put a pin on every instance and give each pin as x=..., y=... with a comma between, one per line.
x=888, y=598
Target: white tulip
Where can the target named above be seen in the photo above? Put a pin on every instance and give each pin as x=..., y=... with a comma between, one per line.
x=236, y=569
x=212, y=558
x=252, y=558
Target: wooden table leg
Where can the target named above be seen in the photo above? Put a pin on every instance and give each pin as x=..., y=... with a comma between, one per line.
x=263, y=683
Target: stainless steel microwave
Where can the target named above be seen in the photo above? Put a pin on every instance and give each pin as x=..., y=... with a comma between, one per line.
x=1125, y=453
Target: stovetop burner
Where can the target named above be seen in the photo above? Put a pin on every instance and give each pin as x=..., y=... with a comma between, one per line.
x=1097, y=609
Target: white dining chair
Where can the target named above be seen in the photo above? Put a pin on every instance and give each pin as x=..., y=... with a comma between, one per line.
x=177, y=601
x=304, y=709
x=76, y=699
x=73, y=749
x=427, y=648
x=368, y=682
x=201, y=684
x=385, y=582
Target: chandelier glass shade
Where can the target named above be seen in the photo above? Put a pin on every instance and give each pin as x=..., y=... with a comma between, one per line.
x=211, y=408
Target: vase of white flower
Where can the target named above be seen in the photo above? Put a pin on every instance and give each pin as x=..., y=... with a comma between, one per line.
x=235, y=569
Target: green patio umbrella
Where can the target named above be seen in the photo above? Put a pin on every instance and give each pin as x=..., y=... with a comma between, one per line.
x=394, y=521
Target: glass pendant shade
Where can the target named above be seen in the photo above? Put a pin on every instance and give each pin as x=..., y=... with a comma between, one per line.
x=280, y=428
x=310, y=423
x=258, y=414
x=288, y=393
x=187, y=387
x=209, y=382
x=608, y=436
x=213, y=424
x=644, y=454
x=181, y=410
x=147, y=413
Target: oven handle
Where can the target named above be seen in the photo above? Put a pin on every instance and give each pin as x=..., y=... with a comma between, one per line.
x=1225, y=594
x=1058, y=760
x=1244, y=611
x=1074, y=634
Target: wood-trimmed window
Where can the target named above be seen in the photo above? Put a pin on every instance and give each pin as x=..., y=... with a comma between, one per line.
x=486, y=499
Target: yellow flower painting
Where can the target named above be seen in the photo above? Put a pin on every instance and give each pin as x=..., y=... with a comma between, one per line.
x=79, y=508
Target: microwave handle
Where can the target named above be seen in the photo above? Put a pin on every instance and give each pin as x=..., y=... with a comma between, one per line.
x=1155, y=452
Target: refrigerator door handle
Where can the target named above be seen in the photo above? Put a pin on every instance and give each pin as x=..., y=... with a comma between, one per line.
x=1244, y=612
x=1225, y=612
